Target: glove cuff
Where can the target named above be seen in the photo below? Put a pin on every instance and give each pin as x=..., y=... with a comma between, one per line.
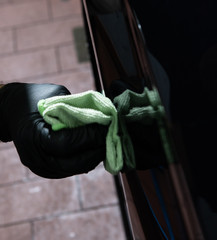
x=5, y=93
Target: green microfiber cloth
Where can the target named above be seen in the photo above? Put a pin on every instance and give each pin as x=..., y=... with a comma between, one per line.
x=142, y=107
x=76, y=110
x=92, y=107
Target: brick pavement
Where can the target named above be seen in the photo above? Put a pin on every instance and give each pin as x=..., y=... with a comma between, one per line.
x=37, y=45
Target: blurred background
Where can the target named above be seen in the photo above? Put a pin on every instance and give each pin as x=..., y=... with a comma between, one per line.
x=42, y=41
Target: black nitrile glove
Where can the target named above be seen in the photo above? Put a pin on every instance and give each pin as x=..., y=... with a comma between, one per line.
x=45, y=152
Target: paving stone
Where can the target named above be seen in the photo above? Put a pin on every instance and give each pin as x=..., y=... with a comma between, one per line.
x=4, y=1
x=23, y=13
x=92, y=225
x=61, y=8
x=11, y=169
x=27, y=65
x=81, y=44
x=6, y=41
x=69, y=60
x=49, y=34
x=21, y=1
x=16, y=232
x=97, y=188
x=31, y=200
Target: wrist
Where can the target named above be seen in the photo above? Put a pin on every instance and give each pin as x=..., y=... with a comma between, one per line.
x=4, y=130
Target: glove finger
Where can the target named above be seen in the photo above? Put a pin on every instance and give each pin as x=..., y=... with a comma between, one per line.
x=61, y=167
x=72, y=141
x=59, y=154
x=19, y=101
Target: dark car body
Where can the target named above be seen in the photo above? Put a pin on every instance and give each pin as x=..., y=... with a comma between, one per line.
x=138, y=45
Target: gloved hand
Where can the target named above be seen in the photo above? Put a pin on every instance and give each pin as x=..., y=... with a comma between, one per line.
x=45, y=152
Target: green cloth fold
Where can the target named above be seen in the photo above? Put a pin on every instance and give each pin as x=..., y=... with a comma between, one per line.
x=76, y=110
x=144, y=108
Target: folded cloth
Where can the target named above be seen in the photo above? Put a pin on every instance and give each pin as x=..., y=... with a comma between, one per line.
x=76, y=110
x=142, y=108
